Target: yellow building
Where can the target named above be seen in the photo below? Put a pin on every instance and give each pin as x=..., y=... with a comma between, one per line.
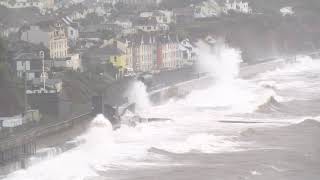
x=119, y=61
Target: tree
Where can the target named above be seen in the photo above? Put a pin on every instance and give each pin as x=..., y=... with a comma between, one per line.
x=107, y=34
x=3, y=50
x=11, y=91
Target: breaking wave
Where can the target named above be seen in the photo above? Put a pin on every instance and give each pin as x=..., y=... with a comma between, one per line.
x=202, y=143
x=301, y=64
x=137, y=93
x=102, y=148
x=228, y=91
x=271, y=106
x=307, y=124
x=77, y=163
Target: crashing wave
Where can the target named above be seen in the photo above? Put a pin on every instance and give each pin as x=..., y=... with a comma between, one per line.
x=272, y=105
x=307, y=124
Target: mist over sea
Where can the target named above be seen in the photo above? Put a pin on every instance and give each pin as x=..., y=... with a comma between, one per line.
x=254, y=128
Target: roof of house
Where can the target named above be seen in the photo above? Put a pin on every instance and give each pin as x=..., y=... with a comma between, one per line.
x=145, y=21
x=19, y=47
x=100, y=27
x=71, y=9
x=104, y=52
x=26, y=56
x=149, y=38
x=90, y=35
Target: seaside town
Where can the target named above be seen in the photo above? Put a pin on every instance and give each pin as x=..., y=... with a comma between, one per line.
x=56, y=42
x=56, y=56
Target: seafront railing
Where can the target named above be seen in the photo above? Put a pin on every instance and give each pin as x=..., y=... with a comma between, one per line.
x=17, y=143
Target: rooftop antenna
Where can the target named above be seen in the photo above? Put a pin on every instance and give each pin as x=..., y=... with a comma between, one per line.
x=43, y=73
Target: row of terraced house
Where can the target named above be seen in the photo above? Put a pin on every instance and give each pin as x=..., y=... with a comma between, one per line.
x=149, y=52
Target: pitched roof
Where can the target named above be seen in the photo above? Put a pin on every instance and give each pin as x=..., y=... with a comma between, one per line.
x=26, y=56
x=150, y=38
x=105, y=51
x=146, y=21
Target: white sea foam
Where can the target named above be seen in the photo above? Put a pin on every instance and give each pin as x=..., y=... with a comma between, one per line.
x=137, y=93
x=296, y=80
x=301, y=65
x=228, y=90
x=77, y=163
x=203, y=143
x=102, y=148
x=221, y=61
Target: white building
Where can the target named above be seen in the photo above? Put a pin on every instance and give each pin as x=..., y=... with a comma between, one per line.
x=147, y=25
x=238, y=6
x=207, y=9
x=72, y=62
x=287, y=11
x=187, y=52
x=29, y=65
x=11, y=122
x=140, y=3
x=41, y=4
x=161, y=16
x=22, y=4
x=124, y=23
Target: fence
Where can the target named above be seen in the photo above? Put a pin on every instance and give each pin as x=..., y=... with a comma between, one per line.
x=14, y=146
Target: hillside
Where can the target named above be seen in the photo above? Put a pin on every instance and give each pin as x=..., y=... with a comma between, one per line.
x=11, y=89
x=271, y=6
x=11, y=93
x=265, y=33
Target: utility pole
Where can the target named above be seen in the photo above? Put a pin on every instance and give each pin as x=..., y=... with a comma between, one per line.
x=25, y=88
x=43, y=72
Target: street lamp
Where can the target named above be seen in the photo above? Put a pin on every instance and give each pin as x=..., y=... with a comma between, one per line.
x=43, y=76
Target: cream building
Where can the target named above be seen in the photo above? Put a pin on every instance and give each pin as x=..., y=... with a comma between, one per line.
x=58, y=43
x=141, y=52
x=47, y=4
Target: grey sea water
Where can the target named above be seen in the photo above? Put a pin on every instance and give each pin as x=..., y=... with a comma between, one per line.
x=239, y=128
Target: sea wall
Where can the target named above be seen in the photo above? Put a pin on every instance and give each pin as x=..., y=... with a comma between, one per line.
x=15, y=151
x=179, y=90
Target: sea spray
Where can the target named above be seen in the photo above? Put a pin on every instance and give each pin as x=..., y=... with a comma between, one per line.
x=78, y=163
x=220, y=61
x=137, y=93
x=228, y=90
